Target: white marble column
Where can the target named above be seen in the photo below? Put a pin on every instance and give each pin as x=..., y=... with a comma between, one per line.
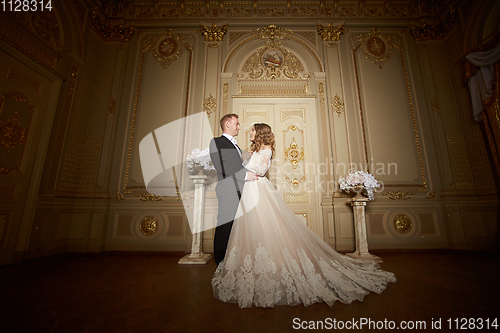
x=358, y=205
x=197, y=257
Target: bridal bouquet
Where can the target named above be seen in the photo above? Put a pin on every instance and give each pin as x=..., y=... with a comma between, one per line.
x=199, y=159
x=359, y=180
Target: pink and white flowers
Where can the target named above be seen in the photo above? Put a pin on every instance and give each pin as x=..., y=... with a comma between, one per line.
x=358, y=178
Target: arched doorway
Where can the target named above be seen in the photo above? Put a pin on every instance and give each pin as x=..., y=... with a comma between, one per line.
x=269, y=77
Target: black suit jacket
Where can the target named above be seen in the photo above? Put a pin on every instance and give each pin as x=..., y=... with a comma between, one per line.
x=228, y=163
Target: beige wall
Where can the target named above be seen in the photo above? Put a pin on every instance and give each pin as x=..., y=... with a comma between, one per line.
x=409, y=108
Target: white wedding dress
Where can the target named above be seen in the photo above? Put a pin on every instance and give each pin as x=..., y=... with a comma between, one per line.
x=272, y=258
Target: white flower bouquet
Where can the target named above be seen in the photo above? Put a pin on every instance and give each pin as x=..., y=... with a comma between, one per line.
x=359, y=181
x=199, y=160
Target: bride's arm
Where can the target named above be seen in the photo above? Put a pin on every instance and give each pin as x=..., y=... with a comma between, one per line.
x=260, y=163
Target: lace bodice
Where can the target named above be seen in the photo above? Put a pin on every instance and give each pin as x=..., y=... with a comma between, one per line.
x=259, y=162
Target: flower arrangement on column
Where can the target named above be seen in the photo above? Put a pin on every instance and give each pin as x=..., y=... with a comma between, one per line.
x=359, y=182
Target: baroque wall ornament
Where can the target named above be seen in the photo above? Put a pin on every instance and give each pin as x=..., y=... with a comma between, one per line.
x=338, y=104
x=109, y=32
x=149, y=225
x=273, y=60
x=376, y=47
x=434, y=30
x=331, y=33
x=12, y=132
x=272, y=32
x=214, y=34
x=209, y=105
x=166, y=48
x=294, y=154
x=402, y=223
x=399, y=195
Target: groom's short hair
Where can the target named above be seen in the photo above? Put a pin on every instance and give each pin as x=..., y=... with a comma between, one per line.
x=227, y=117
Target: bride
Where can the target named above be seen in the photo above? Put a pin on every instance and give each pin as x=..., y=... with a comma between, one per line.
x=272, y=258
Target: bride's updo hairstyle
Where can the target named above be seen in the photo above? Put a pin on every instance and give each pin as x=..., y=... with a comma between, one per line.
x=263, y=136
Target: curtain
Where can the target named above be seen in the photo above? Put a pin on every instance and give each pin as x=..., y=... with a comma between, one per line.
x=484, y=88
x=481, y=83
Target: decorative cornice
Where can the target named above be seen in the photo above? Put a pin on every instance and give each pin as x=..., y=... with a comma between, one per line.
x=433, y=30
x=331, y=33
x=109, y=32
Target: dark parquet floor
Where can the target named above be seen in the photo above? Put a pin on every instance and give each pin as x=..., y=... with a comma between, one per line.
x=131, y=292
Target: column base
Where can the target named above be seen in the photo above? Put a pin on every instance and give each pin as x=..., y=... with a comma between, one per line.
x=364, y=256
x=195, y=259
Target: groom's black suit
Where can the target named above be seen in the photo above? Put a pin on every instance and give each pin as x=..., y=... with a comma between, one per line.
x=231, y=179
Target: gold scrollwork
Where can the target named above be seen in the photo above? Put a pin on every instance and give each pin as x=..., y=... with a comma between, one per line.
x=167, y=48
x=434, y=30
x=150, y=197
x=214, y=34
x=110, y=33
x=402, y=223
x=225, y=96
x=209, y=105
x=376, y=47
x=149, y=225
x=272, y=32
x=399, y=195
x=12, y=133
x=338, y=104
x=119, y=196
x=295, y=181
x=294, y=154
x=432, y=195
x=331, y=33
x=321, y=89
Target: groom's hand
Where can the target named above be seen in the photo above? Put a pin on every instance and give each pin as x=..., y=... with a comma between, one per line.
x=251, y=176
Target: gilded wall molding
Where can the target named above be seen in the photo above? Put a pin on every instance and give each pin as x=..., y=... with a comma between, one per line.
x=152, y=43
x=392, y=42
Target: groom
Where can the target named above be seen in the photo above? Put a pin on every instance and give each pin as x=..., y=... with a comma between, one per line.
x=226, y=158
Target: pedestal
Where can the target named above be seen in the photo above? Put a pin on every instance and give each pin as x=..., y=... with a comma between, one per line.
x=358, y=205
x=197, y=257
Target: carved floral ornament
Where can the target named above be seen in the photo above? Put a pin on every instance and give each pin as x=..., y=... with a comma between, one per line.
x=376, y=46
x=402, y=223
x=166, y=48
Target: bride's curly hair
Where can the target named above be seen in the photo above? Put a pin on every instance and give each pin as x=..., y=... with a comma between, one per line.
x=263, y=136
